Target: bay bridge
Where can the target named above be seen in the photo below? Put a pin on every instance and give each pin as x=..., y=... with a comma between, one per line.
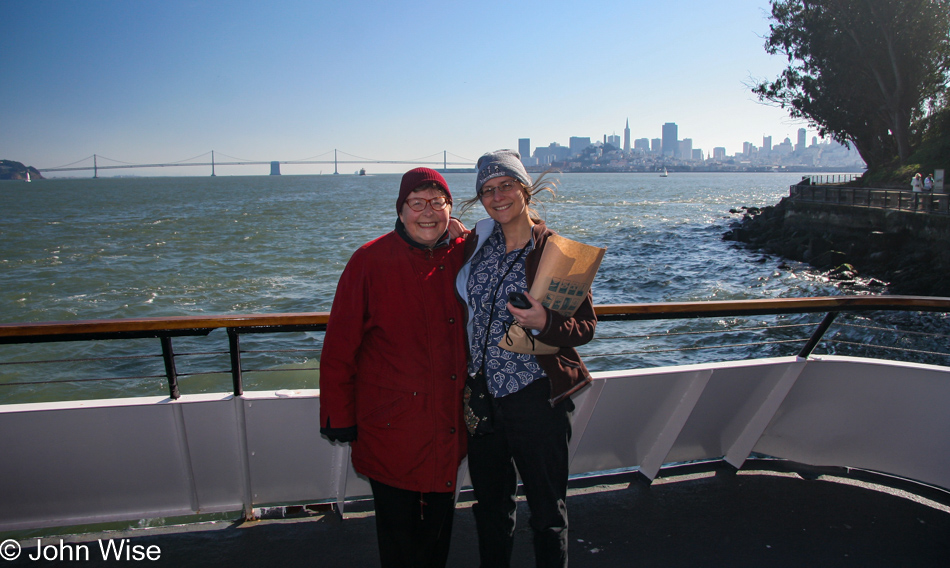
x=459, y=164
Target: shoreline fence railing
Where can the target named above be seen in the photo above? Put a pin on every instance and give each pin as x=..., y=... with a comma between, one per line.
x=830, y=178
x=897, y=199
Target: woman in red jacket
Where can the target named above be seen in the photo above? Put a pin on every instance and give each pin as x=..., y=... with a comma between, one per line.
x=393, y=369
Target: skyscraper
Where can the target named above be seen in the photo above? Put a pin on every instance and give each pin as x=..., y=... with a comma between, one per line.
x=524, y=147
x=552, y=153
x=766, y=144
x=626, y=137
x=578, y=144
x=670, y=134
x=685, y=149
x=801, y=140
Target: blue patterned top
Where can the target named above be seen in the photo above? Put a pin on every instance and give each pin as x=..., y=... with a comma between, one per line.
x=506, y=372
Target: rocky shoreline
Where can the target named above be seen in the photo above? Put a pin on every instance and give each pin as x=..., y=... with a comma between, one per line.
x=10, y=170
x=886, y=262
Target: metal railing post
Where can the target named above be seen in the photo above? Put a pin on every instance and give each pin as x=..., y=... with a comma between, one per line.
x=168, y=355
x=819, y=333
x=234, y=348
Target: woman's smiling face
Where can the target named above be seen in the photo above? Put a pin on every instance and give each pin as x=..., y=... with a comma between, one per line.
x=426, y=226
x=504, y=199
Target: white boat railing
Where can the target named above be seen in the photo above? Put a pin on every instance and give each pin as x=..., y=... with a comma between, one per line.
x=94, y=461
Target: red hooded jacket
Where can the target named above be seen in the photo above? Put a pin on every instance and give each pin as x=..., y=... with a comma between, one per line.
x=394, y=363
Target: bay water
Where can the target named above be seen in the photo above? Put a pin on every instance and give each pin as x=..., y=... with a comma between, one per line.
x=148, y=247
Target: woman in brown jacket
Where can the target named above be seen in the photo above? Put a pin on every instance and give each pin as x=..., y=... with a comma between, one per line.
x=530, y=394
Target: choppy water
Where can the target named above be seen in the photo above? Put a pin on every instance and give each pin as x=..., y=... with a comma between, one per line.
x=145, y=247
x=118, y=248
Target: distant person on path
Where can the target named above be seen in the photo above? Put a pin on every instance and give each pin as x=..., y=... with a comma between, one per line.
x=392, y=372
x=916, y=184
x=929, y=183
x=530, y=402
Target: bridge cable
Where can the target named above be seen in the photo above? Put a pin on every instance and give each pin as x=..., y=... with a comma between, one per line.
x=67, y=165
x=193, y=158
x=464, y=158
x=241, y=159
x=391, y=161
x=116, y=161
x=312, y=157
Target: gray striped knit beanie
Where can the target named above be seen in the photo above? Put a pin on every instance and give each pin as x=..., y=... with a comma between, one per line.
x=498, y=164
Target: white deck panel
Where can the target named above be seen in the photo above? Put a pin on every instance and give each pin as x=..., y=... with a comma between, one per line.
x=92, y=461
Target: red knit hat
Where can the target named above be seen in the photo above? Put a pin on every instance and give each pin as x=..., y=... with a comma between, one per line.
x=417, y=178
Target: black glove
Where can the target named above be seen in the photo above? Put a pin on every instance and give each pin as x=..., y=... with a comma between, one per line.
x=347, y=434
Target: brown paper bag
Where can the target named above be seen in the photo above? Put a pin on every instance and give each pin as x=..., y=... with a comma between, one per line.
x=565, y=274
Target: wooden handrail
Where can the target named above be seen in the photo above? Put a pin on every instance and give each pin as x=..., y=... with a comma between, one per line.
x=675, y=310
x=158, y=324
x=166, y=328
x=607, y=312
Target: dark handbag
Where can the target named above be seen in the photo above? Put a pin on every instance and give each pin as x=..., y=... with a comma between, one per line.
x=477, y=405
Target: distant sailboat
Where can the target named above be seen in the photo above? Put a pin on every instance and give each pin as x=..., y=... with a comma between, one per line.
x=28, y=177
x=664, y=173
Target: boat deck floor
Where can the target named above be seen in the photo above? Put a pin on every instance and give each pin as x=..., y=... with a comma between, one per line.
x=718, y=517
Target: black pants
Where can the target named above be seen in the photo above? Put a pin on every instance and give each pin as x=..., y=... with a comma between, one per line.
x=413, y=529
x=530, y=434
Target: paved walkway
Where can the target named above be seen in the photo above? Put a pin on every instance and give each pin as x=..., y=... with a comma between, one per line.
x=716, y=518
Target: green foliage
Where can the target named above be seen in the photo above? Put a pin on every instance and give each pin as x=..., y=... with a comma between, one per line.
x=861, y=71
x=934, y=146
x=932, y=151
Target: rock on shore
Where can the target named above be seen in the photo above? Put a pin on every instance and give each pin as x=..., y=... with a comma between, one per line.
x=896, y=262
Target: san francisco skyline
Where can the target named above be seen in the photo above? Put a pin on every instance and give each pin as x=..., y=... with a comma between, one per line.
x=164, y=81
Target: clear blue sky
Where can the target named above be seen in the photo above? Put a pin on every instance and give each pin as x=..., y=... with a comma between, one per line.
x=163, y=81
